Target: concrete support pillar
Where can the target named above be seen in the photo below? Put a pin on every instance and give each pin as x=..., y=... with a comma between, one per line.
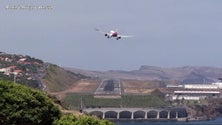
x=145, y=117
x=176, y=115
x=103, y=115
x=168, y=115
x=158, y=115
x=117, y=115
x=132, y=116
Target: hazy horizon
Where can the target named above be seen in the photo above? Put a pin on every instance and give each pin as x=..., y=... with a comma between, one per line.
x=168, y=33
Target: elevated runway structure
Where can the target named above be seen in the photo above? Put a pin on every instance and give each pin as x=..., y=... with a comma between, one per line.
x=138, y=113
x=109, y=88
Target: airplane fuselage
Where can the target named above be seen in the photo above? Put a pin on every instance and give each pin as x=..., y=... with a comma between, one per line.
x=112, y=33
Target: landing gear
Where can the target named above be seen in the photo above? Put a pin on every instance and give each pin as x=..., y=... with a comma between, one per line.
x=117, y=38
x=106, y=35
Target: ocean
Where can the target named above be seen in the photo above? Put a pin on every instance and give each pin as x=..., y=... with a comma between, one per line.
x=217, y=121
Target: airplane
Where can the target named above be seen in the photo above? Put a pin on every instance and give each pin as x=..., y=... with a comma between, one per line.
x=112, y=33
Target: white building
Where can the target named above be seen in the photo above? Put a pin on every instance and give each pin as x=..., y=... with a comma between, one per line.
x=218, y=84
x=7, y=70
x=196, y=91
x=3, y=70
x=194, y=95
x=201, y=86
x=174, y=86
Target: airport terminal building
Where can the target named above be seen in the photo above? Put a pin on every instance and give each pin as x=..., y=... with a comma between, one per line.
x=195, y=91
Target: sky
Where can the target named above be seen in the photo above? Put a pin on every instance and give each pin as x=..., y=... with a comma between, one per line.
x=167, y=33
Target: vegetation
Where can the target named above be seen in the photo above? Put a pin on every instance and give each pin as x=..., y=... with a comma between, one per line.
x=82, y=120
x=58, y=79
x=5, y=77
x=72, y=101
x=21, y=105
x=21, y=80
x=143, y=101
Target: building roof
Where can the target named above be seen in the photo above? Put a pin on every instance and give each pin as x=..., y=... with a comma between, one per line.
x=198, y=92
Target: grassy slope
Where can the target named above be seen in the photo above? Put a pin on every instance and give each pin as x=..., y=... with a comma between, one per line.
x=72, y=101
x=58, y=79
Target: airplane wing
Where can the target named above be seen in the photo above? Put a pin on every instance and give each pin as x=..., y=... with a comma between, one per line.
x=124, y=36
x=96, y=29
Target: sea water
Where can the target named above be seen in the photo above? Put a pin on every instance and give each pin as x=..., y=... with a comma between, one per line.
x=217, y=121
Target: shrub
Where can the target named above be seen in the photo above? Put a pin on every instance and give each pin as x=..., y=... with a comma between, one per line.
x=20, y=105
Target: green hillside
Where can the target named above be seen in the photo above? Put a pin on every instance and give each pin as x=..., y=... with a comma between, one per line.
x=58, y=79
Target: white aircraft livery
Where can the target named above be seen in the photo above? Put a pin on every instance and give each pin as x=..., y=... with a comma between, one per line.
x=112, y=33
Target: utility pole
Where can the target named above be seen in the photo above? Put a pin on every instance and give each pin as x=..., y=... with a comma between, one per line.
x=14, y=78
x=81, y=105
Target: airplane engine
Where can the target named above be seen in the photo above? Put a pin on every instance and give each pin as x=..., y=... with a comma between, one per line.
x=117, y=38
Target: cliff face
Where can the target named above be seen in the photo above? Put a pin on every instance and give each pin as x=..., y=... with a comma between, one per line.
x=206, y=109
